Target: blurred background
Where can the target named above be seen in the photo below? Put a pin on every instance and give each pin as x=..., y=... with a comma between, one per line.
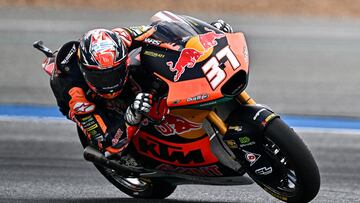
x=304, y=60
x=304, y=54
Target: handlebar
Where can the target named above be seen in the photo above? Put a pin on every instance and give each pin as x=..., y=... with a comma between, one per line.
x=39, y=45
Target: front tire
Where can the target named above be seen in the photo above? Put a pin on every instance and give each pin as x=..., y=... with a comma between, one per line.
x=147, y=188
x=298, y=178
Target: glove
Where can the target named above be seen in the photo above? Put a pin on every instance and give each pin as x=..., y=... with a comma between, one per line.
x=141, y=105
x=222, y=25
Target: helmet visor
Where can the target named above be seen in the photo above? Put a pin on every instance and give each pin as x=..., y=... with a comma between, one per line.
x=106, y=81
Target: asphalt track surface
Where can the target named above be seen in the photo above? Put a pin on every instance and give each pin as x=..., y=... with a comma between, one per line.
x=299, y=66
x=41, y=161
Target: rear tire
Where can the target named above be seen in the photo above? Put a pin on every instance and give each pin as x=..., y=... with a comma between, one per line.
x=149, y=188
x=299, y=163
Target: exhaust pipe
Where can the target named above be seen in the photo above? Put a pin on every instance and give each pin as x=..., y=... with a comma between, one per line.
x=93, y=155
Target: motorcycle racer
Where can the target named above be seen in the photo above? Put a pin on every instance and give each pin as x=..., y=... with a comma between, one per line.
x=94, y=87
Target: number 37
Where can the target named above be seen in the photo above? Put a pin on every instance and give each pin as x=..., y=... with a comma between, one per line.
x=214, y=74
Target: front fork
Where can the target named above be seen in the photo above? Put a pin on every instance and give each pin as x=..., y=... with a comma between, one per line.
x=243, y=97
x=246, y=143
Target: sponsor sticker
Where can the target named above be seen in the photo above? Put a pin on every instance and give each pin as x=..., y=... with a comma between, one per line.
x=247, y=144
x=251, y=157
x=235, y=128
x=246, y=54
x=69, y=55
x=189, y=56
x=197, y=98
x=175, y=125
x=231, y=144
x=152, y=41
x=92, y=127
x=244, y=140
x=212, y=170
x=83, y=107
x=117, y=136
x=267, y=119
x=197, y=153
x=264, y=171
x=154, y=54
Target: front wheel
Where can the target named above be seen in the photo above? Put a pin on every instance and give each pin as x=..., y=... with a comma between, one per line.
x=295, y=176
x=147, y=188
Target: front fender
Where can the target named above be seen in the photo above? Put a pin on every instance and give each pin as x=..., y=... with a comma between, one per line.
x=257, y=115
x=245, y=136
x=246, y=124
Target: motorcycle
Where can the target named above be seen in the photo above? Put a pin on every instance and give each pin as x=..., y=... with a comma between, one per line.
x=205, y=129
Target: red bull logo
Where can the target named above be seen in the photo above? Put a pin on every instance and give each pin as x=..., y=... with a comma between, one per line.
x=175, y=125
x=208, y=40
x=189, y=56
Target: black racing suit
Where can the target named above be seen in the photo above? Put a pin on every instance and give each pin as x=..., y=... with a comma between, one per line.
x=101, y=120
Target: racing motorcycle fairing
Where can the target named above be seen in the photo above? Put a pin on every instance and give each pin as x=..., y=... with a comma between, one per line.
x=221, y=73
x=179, y=140
x=180, y=145
x=200, y=66
x=204, y=64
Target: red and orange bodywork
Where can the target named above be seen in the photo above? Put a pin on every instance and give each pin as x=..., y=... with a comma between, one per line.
x=190, y=146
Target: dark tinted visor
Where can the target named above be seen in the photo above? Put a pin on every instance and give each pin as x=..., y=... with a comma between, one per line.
x=107, y=80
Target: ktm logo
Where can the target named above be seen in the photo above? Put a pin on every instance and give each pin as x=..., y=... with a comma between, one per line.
x=197, y=153
x=170, y=154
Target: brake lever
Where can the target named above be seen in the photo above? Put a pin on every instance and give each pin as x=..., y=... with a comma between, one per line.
x=39, y=45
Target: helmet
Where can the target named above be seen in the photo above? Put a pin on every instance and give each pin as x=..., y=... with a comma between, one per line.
x=103, y=62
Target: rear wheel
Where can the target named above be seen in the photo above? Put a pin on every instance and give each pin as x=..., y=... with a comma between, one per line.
x=295, y=176
x=149, y=188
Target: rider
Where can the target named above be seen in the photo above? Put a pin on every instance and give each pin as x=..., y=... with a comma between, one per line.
x=93, y=87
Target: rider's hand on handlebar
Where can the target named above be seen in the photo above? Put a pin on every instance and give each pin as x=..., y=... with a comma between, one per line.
x=140, y=106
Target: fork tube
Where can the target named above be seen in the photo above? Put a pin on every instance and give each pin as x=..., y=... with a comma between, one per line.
x=218, y=122
x=245, y=98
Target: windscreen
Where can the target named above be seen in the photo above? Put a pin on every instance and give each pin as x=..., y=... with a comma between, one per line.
x=172, y=32
x=173, y=28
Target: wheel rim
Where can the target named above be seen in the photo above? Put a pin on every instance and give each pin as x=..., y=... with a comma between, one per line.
x=130, y=183
x=285, y=181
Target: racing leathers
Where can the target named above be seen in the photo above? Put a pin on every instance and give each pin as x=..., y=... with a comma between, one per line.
x=109, y=124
